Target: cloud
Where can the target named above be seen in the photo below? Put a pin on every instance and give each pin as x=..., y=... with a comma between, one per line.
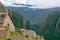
x=36, y=3
x=5, y=2
x=46, y=3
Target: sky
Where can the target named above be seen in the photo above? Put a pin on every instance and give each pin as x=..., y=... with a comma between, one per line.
x=35, y=3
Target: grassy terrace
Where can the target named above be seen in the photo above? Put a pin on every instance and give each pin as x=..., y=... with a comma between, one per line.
x=12, y=33
x=15, y=33
x=4, y=38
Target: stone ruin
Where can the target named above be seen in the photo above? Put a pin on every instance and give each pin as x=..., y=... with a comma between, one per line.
x=6, y=24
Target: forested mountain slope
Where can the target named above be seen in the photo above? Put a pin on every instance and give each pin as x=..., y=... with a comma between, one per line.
x=50, y=29
x=19, y=20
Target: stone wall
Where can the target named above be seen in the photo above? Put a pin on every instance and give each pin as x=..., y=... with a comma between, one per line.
x=7, y=25
x=8, y=22
x=4, y=33
x=11, y=25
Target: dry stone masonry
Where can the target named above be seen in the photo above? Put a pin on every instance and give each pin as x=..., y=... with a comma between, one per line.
x=6, y=24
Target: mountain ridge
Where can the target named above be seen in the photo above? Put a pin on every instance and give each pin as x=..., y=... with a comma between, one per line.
x=34, y=15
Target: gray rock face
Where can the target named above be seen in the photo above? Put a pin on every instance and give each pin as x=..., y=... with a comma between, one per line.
x=57, y=29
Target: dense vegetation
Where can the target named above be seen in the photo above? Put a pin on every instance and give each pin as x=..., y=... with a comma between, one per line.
x=51, y=28
x=18, y=20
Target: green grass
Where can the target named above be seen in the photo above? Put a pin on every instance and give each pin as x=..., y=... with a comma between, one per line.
x=8, y=39
x=37, y=38
x=2, y=38
x=22, y=35
x=13, y=33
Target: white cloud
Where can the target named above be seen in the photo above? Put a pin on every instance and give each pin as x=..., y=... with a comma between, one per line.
x=46, y=3
x=5, y=2
x=36, y=3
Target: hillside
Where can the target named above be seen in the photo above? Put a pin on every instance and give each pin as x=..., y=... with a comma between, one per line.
x=32, y=15
x=51, y=28
x=19, y=20
x=35, y=16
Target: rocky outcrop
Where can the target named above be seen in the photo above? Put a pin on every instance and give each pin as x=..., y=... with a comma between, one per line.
x=30, y=35
x=24, y=34
x=28, y=32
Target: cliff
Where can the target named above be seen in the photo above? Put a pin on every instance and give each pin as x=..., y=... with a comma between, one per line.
x=51, y=28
